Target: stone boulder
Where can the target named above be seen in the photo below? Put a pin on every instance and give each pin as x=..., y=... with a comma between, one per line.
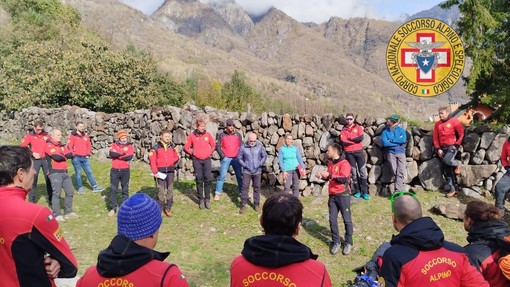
x=411, y=171
x=494, y=151
x=426, y=148
x=473, y=174
x=471, y=142
x=450, y=210
x=430, y=174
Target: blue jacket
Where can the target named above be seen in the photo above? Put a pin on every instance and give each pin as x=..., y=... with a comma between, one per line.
x=394, y=140
x=289, y=157
x=252, y=158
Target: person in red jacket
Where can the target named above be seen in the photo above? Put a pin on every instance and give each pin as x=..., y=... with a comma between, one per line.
x=36, y=140
x=448, y=135
x=130, y=259
x=121, y=152
x=57, y=155
x=277, y=258
x=485, y=229
x=227, y=145
x=419, y=255
x=338, y=175
x=80, y=145
x=200, y=145
x=163, y=157
x=34, y=251
x=351, y=137
x=503, y=185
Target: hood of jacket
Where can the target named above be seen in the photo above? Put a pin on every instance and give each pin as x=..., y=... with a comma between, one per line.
x=487, y=230
x=421, y=234
x=275, y=251
x=124, y=256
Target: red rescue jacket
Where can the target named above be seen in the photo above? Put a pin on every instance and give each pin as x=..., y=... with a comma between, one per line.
x=79, y=144
x=339, y=176
x=505, y=154
x=37, y=142
x=121, y=154
x=200, y=145
x=447, y=133
x=351, y=138
x=57, y=155
x=28, y=231
x=163, y=158
x=228, y=144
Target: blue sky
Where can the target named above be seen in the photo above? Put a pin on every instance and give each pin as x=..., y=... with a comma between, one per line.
x=318, y=10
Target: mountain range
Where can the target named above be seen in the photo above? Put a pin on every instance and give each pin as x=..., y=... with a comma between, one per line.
x=336, y=66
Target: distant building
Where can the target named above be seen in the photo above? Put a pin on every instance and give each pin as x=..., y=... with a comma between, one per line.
x=468, y=113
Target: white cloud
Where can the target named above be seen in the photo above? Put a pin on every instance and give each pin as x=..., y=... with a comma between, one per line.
x=317, y=11
x=309, y=11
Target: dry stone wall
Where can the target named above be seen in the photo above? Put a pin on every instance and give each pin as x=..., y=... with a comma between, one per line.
x=480, y=153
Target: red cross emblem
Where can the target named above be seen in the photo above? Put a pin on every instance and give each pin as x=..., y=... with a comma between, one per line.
x=406, y=57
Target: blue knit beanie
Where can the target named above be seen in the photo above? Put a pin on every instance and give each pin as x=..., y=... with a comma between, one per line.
x=138, y=217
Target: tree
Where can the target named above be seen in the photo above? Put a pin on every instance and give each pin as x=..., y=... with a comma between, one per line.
x=485, y=30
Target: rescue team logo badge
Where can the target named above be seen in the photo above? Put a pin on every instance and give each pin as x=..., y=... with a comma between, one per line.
x=425, y=57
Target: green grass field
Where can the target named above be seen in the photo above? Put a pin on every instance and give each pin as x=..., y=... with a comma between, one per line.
x=204, y=242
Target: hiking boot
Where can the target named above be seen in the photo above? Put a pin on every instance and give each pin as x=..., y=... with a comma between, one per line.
x=201, y=205
x=242, y=210
x=347, y=249
x=80, y=190
x=457, y=168
x=257, y=208
x=216, y=197
x=111, y=213
x=71, y=215
x=207, y=204
x=453, y=193
x=60, y=218
x=357, y=195
x=97, y=188
x=167, y=212
x=365, y=196
x=335, y=247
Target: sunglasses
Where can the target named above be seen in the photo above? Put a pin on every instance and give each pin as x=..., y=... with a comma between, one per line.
x=349, y=119
x=399, y=194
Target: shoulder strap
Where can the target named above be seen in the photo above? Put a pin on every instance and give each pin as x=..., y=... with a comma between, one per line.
x=164, y=274
x=323, y=276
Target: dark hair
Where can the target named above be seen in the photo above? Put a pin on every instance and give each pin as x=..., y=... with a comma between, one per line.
x=199, y=121
x=164, y=131
x=79, y=123
x=443, y=108
x=339, y=149
x=12, y=158
x=39, y=123
x=281, y=214
x=482, y=211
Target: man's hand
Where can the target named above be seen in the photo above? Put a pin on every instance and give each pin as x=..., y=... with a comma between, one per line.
x=285, y=175
x=440, y=153
x=52, y=267
x=36, y=155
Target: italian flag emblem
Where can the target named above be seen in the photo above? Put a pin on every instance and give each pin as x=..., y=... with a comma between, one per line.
x=425, y=91
x=50, y=217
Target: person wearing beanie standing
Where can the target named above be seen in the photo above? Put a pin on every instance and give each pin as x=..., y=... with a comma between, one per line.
x=227, y=146
x=200, y=145
x=394, y=139
x=162, y=157
x=80, y=145
x=130, y=259
x=121, y=152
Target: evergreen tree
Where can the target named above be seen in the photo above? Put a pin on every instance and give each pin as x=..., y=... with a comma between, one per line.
x=485, y=30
